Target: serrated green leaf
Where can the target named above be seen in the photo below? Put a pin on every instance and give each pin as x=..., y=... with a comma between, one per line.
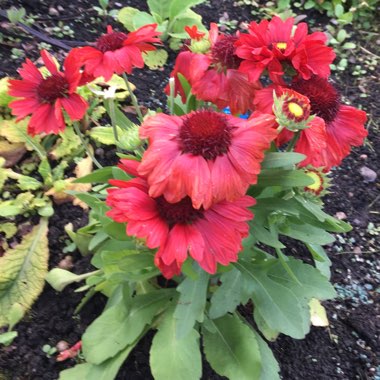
x=281, y=300
x=66, y=145
x=173, y=358
x=22, y=271
x=120, y=325
x=228, y=295
x=191, y=303
x=155, y=59
x=232, y=350
x=28, y=183
x=277, y=304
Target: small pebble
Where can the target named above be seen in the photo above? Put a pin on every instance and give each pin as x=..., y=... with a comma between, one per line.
x=350, y=194
x=368, y=174
x=62, y=345
x=66, y=263
x=363, y=157
x=340, y=215
x=357, y=250
x=53, y=12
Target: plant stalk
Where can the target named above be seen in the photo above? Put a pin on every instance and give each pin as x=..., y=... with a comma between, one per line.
x=86, y=147
x=133, y=97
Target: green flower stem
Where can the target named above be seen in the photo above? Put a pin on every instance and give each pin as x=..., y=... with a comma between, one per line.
x=133, y=97
x=293, y=141
x=84, y=143
x=111, y=103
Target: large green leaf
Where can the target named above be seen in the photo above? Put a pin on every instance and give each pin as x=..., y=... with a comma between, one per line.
x=281, y=159
x=229, y=295
x=284, y=178
x=120, y=325
x=232, y=350
x=172, y=357
x=161, y=7
x=80, y=371
x=108, y=369
x=307, y=233
x=191, y=303
x=270, y=369
x=282, y=299
x=178, y=7
x=23, y=270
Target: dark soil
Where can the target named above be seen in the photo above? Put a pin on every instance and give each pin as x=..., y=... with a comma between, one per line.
x=347, y=350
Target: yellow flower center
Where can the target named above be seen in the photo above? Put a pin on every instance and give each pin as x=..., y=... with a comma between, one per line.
x=295, y=109
x=282, y=45
x=317, y=181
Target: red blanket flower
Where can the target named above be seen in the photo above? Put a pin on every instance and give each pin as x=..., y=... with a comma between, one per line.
x=214, y=77
x=44, y=97
x=208, y=156
x=178, y=229
x=325, y=145
x=272, y=45
x=117, y=52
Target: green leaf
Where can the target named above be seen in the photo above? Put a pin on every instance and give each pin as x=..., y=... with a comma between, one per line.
x=281, y=300
x=228, y=295
x=232, y=350
x=339, y=10
x=120, y=326
x=264, y=236
x=161, y=7
x=307, y=233
x=5, y=99
x=9, y=229
x=22, y=271
x=277, y=304
x=28, y=183
x=108, y=370
x=274, y=160
x=142, y=18
x=59, y=278
x=270, y=369
x=155, y=59
x=125, y=16
x=7, y=338
x=174, y=358
x=67, y=144
x=97, y=176
x=104, y=135
x=178, y=7
x=80, y=371
x=284, y=178
x=321, y=260
x=191, y=303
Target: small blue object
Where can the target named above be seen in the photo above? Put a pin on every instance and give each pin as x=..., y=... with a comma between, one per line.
x=227, y=111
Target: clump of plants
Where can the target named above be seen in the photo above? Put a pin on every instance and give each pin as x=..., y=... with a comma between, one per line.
x=189, y=233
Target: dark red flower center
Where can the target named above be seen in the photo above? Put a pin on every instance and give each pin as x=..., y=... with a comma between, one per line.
x=223, y=52
x=111, y=41
x=324, y=97
x=205, y=133
x=181, y=212
x=52, y=88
